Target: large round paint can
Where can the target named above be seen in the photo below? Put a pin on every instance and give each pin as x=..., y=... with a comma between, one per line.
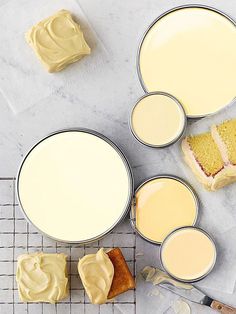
x=189, y=52
x=75, y=186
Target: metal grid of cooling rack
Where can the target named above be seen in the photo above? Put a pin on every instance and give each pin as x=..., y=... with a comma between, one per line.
x=18, y=237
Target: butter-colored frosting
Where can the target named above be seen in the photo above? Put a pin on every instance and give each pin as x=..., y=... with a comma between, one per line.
x=96, y=272
x=42, y=277
x=157, y=276
x=58, y=41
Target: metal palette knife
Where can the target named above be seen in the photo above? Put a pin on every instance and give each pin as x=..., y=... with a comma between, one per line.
x=186, y=291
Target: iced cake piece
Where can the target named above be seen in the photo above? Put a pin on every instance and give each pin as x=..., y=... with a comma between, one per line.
x=105, y=275
x=42, y=277
x=58, y=41
x=96, y=272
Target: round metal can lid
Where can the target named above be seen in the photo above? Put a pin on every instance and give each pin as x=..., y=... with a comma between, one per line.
x=158, y=120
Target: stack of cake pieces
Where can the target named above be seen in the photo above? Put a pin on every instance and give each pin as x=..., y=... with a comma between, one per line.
x=212, y=155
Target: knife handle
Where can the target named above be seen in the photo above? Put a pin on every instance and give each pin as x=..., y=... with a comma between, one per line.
x=222, y=308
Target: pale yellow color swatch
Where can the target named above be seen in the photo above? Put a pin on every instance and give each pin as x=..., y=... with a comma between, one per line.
x=163, y=205
x=157, y=119
x=74, y=186
x=190, y=53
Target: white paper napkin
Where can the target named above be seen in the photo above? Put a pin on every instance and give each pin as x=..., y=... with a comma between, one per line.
x=23, y=79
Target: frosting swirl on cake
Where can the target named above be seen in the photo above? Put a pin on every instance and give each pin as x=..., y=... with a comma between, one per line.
x=96, y=272
x=58, y=41
x=42, y=277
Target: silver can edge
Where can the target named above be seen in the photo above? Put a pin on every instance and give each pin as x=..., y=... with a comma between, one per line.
x=175, y=140
x=186, y=184
x=209, y=237
x=185, y=6
x=129, y=172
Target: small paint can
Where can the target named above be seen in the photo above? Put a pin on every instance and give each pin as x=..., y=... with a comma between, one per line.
x=158, y=120
x=185, y=189
x=187, y=253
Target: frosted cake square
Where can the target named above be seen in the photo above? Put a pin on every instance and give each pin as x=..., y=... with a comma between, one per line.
x=42, y=277
x=57, y=41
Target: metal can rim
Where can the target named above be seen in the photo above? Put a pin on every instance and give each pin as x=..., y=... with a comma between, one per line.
x=168, y=176
x=185, y=6
x=210, y=269
x=126, y=164
x=178, y=137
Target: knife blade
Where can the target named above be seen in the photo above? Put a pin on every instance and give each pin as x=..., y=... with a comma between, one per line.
x=187, y=291
x=193, y=294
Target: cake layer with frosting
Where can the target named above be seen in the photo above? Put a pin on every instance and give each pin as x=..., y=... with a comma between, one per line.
x=105, y=275
x=224, y=136
x=96, y=272
x=212, y=156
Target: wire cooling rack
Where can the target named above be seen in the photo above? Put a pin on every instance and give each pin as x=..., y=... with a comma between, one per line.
x=18, y=237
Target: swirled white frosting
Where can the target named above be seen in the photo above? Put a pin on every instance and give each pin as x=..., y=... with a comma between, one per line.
x=42, y=277
x=96, y=272
x=58, y=41
x=157, y=276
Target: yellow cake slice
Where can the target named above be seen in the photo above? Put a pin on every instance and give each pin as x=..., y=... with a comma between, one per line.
x=212, y=155
x=224, y=136
x=204, y=158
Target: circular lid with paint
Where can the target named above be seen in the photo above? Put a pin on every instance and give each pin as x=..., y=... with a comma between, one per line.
x=158, y=120
x=75, y=186
x=189, y=52
x=161, y=204
x=188, y=254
